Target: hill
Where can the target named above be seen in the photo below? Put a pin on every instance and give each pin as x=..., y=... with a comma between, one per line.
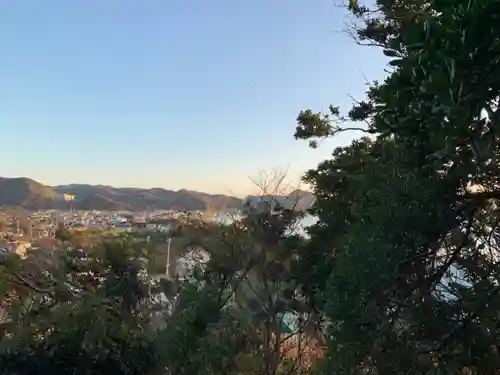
x=135, y=199
x=26, y=193
x=30, y=194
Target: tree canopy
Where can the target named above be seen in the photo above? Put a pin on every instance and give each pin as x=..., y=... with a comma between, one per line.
x=408, y=214
x=98, y=308
x=76, y=312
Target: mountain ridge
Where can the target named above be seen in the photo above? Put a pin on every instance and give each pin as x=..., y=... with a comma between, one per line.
x=30, y=194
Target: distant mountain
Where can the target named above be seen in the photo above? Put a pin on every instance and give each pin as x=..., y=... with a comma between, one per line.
x=30, y=194
x=26, y=193
x=107, y=197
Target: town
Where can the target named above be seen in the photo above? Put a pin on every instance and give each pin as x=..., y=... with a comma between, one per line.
x=21, y=230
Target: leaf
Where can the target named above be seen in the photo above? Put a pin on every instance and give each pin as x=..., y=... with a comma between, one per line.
x=397, y=62
x=390, y=53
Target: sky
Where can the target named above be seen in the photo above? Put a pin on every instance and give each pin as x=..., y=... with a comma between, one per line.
x=191, y=94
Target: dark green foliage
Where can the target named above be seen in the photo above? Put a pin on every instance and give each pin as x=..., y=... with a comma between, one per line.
x=97, y=310
x=62, y=233
x=85, y=314
x=403, y=260
x=228, y=318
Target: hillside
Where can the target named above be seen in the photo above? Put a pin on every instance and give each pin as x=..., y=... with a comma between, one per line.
x=26, y=193
x=107, y=197
x=30, y=194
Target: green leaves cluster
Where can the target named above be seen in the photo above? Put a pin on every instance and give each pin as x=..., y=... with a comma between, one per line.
x=403, y=260
x=77, y=312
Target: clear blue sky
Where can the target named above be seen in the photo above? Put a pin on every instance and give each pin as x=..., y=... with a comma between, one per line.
x=190, y=94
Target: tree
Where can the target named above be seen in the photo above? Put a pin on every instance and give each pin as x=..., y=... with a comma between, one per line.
x=408, y=216
x=81, y=313
x=62, y=233
x=4, y=223
x=232, y=318
x=24, y=223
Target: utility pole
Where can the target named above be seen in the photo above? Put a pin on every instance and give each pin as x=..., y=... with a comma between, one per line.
x=168, y=258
